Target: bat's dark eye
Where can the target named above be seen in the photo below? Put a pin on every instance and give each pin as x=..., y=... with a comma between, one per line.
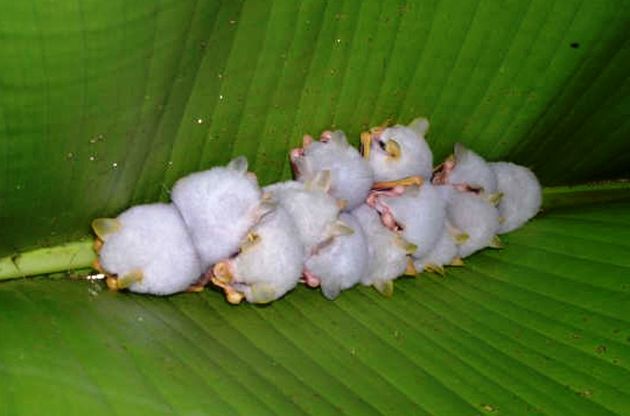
x=381, y=144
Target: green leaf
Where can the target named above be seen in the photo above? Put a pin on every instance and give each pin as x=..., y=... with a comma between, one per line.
x=540, y=327
x=105, y=105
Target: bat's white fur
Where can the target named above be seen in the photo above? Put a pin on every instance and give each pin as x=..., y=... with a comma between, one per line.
x=273, y=265
x=522, y=194
x=351, y=175
x=297, y=227
x=219, y=206
x=442, y=253
x=387, y=258
x=474, y=216
x=421, y=212
x=313, y=210
x=415, y=158
x=471, y=169
x=153, y=240
x=342, y=263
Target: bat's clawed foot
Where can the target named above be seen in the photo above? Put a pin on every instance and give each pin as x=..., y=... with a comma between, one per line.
x=404, y=182
x=201, y=283
x=222, y=276
x=442, y=171
x=125, y=281
x=233, y=296
x=222, y=272
x=310, y=279
x=111, y=282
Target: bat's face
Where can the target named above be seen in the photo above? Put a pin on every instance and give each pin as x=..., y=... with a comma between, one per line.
x=385, y=211
x=297, y=156
x=329, y=144
x=379, y=145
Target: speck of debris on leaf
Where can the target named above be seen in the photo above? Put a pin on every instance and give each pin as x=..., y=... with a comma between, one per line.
x=585, y=393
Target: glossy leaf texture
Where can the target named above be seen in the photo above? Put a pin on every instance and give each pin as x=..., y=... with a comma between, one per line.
x=540, y=327
x=105, y=104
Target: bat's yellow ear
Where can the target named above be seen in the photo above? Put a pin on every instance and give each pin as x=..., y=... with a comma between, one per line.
x=339, y=138
x=420, y=125
x=238, y=164
x=495, y=198
x=340, y=228
x=104, y=227
x=496, y=242
x=460, y=152
x=457, y=261
x=409, y=248
x=392, y=147
x=262, y=293
x=435, y=268
x=366, y=144
x=321, y=181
